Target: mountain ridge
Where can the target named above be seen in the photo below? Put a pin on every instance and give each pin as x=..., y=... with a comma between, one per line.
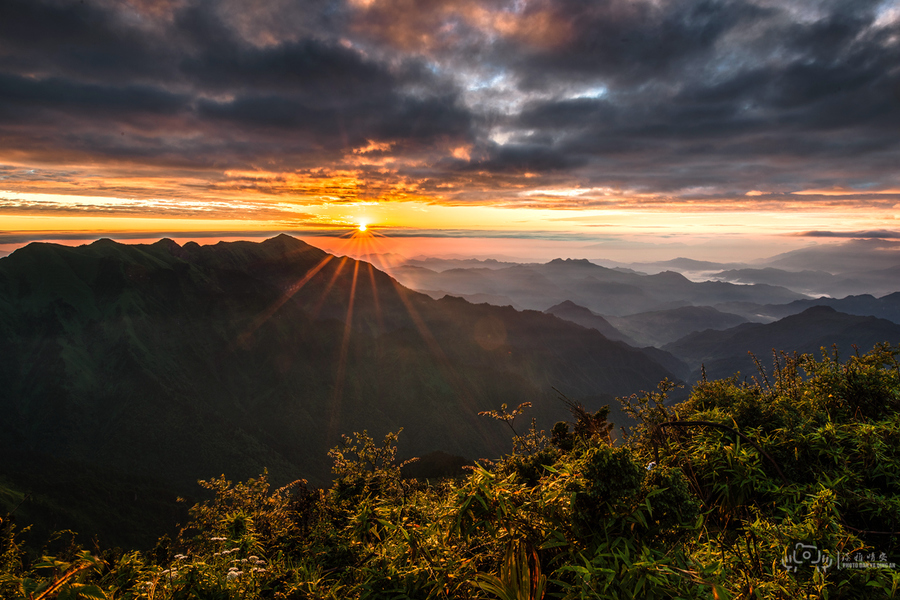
x=173, y=363
x=727, y=352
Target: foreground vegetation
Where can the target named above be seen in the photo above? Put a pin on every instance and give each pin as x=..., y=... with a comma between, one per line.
x=765, y=489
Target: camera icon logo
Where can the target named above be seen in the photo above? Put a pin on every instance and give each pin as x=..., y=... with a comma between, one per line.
x=805, y=554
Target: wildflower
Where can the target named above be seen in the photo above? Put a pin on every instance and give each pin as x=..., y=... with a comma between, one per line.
x=180, y=557
x=650, y=465
x=217, y=539
x=233, y=575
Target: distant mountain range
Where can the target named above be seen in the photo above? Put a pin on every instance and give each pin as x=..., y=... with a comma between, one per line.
x=852, y=256
x=610, y=292
x=151, y=366
x=877, y=282
x=655, y=328
x=886, y=307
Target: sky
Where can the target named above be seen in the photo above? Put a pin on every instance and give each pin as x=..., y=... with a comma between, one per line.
x=708, y=128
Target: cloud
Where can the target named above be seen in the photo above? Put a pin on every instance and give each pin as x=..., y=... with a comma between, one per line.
x=154, y=208
x=882, y=234
x=470, y=101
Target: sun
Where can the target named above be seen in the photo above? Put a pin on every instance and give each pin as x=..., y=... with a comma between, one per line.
x=362, y=227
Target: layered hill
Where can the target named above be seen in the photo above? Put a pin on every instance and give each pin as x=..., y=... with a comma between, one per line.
x=610, y=292
x=728, y=352
x=864, y=305
x=585, y=317
x=169, y=363
x=659, y=327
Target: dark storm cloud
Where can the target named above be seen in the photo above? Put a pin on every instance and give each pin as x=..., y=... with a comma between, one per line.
x=317, y=68
x=80, y=39
x=628, y=43
x=344, y=124
x=688, y=85
x=523, y=158
x=21, y=95
x=842, y=107
x=657, y=96
x=87, y=68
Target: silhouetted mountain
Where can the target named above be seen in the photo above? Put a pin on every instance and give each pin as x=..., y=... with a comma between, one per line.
x=600, y=289
x=658, y=328
x=474, y=298
x=886, y=307
x=164, y=363
x=570, y=311
x=850, y=257
x=725, y=353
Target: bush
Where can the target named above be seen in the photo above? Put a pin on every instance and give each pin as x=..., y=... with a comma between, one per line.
x=708, y=498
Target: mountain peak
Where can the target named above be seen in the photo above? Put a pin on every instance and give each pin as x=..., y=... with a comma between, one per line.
x=283, y=239
x=670, y=277
x=283, y=245
x=582, y=262
x=564, y=304
x=168, y=244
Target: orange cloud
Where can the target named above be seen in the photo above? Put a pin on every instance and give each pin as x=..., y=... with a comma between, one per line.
x=424, y=26
x=845, y=192
x=325, y=185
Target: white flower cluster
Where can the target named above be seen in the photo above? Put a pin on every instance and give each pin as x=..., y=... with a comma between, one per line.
x=257, y=561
